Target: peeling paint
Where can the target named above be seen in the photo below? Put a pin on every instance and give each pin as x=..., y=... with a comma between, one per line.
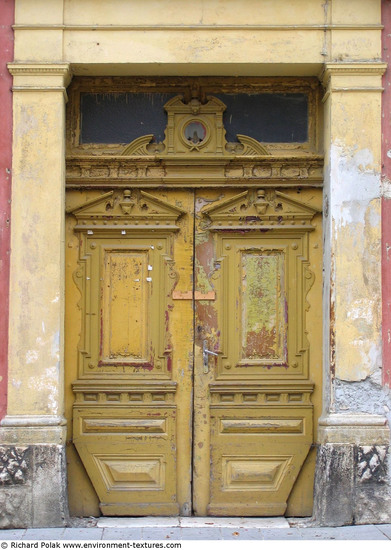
x=386, y=188
x=364, y=396
x=356, y=184
x=356, y=223
x=32, y=356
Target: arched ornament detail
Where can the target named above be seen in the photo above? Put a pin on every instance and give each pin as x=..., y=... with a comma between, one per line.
x=195, y=128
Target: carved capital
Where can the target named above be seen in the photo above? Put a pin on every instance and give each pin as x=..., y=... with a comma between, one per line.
x=352, y=77
x=41, y=77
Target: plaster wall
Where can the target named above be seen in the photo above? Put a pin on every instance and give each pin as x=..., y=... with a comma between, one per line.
x=386, y=196
x=6, y=47
x=100, y=37
x=228, y=37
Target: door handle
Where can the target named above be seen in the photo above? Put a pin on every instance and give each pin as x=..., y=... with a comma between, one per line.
x=205, y=355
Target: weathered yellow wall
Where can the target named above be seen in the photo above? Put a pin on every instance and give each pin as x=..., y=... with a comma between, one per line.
x=215, y=37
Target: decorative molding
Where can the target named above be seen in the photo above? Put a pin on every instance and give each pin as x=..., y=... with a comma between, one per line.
x=130, y=453
x=32, y=420
x=33, y=77
x=271, y=395
x=376, y=68
x=33, y=429
x=259, y=453
x=254, y=473
x=357, y=420
x=359, y=429
x=125, y=472
x=262, y=425
x=256, y=231
x=36, y=69
x=194, y=127
x=212, y=161
x=142, y=147
x=93, y=393
x=150, y=171
x=124, y=424
x=247, y=147
x=357, y=89
x=124, y=212
x=269, y=208
x=98, y=353
x=201, y=27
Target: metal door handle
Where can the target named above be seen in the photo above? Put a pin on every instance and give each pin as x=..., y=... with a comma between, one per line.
x=205, y=355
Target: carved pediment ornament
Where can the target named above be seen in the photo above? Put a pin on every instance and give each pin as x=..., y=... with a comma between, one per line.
x=194, y=128
x=126, y=211
x=261, y=208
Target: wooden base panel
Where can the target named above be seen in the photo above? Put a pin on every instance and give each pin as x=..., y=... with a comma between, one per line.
x=258, y=510
x=147, y=509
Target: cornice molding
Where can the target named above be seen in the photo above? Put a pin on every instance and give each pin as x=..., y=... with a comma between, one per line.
x=359, y=429
x=376, y=68
x=28, y=76
x=16, y=68
x=146, y=27
x=349, y=419
x=33, y=420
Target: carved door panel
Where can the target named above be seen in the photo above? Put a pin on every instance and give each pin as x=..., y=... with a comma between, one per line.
x=193, y=311
x=132, y=393
x=253, y=408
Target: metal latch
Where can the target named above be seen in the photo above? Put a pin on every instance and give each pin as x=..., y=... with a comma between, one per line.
x=205, y=355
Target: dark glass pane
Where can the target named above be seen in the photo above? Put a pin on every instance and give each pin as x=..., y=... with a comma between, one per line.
x=273, y=118
x=122, y=117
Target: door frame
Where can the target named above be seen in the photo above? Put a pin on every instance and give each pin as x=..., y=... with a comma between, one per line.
x=276, y=168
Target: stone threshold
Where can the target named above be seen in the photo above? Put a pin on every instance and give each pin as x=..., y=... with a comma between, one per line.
x=198, y=522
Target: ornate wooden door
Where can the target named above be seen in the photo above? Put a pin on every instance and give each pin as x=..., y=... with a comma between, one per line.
x=253, y=409
x=192, y=309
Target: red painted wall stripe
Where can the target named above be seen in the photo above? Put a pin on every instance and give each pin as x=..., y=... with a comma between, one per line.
x=386, y=199
x=7, y=10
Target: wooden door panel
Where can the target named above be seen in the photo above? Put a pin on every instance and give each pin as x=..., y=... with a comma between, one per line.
x=129, y=455
x=135, y=344
x=260, y=438
x=125, y=305
x=255, y=426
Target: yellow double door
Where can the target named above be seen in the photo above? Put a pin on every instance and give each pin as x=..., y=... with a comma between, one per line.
x=193, y=357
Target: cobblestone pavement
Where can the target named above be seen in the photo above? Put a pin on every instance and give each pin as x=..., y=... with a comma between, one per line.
x=177, y=529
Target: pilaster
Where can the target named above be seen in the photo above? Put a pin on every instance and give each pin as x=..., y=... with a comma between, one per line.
x=34, y=427
x=353, y=424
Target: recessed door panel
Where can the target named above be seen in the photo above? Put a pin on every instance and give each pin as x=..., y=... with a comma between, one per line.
x=193, y=376
x=262, y=306
x=125, y=305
